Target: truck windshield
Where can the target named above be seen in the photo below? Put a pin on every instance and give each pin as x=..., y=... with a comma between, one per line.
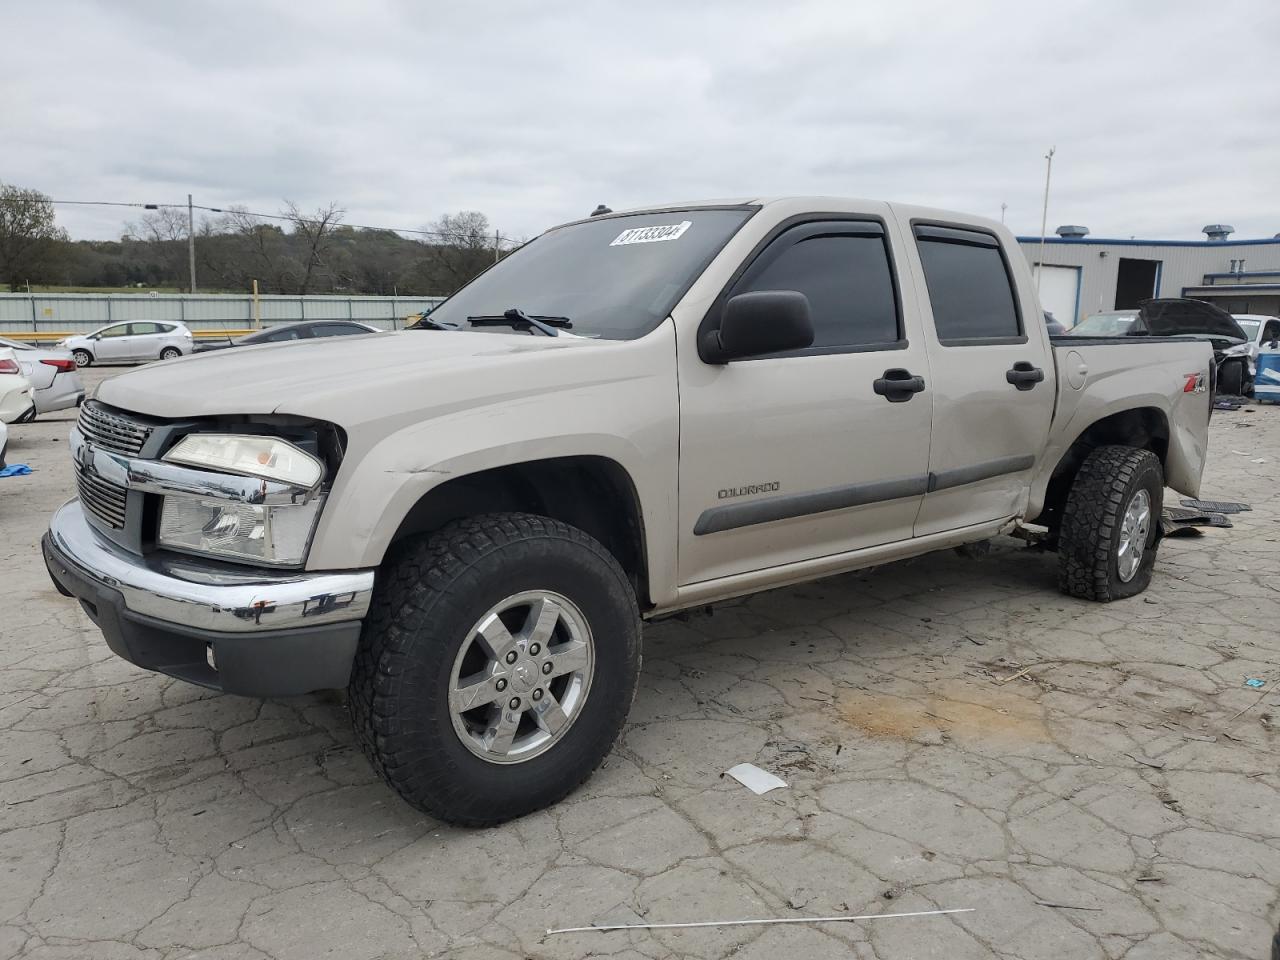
x=611, y=277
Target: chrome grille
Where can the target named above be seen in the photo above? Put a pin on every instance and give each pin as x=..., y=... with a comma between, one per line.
x=104, y=500
x=110, y=431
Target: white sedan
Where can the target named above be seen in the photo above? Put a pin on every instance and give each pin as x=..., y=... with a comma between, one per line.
x=16, y=403
x=52, y=373
x=128, y=342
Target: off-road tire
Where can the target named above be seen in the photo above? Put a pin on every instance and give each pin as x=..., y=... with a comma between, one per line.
x=1089, y=534
x=430, y=592
x=83, y=358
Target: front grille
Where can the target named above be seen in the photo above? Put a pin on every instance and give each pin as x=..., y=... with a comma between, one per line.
x=103, y=499
x=111, y=431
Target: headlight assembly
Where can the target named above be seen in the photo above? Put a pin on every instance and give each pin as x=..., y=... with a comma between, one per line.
x=203, y=522
x=275, y=535
x=256, y=456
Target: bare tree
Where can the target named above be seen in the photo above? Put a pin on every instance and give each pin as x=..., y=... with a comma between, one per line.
x=316, y=231
x=29, y=235
x=459, y=246
x=156, y=226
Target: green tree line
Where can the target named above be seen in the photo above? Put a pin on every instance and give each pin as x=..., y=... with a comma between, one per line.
x=302, y=252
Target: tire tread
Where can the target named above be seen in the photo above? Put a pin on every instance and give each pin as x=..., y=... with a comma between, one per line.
x=421, y=576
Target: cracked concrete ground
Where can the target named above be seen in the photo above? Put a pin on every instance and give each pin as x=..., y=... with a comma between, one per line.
x=146, y=818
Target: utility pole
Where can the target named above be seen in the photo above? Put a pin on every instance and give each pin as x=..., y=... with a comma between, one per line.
x=191, y=242
x=1044, y=214
x=497, y=246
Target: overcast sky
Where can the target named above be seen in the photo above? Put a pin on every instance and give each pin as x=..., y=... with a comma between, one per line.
x=1164, y=115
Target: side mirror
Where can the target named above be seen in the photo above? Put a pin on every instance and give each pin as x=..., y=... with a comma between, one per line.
x=754, y=324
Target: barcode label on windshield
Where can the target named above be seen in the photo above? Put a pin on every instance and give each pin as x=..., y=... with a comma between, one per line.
x=670, y=231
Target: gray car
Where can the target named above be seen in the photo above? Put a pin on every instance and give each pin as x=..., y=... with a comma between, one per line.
x=55, y=380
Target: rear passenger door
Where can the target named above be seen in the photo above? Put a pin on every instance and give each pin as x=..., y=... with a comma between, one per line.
x=143, y=342
x=992, y=380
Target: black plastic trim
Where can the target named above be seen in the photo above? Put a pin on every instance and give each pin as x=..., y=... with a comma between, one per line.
x=959, y=476
x=789, y=506
x=732, y=516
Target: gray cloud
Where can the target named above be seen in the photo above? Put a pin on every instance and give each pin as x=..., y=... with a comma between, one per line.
x=1163, y=114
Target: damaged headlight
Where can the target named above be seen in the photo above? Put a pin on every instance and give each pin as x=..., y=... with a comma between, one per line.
x=273, y=535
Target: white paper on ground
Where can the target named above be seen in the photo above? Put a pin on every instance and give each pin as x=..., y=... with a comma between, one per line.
x=754, y=779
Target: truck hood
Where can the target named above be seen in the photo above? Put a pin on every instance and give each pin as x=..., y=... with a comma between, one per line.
x=1178, y=317
x=350, y=380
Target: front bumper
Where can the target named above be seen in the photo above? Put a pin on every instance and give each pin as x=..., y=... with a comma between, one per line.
x=248, y=631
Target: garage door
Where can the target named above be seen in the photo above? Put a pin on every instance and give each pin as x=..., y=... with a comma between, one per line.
x=1060, y=293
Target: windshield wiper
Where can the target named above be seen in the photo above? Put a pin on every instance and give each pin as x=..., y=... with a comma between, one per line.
x=515, y=317
x=426, y=323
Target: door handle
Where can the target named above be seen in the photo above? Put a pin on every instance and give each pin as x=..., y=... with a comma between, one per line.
x=898, y=385
x=1024, y=375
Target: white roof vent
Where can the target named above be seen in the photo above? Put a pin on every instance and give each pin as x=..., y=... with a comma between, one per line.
x=1218, y=232
x=1072, y=231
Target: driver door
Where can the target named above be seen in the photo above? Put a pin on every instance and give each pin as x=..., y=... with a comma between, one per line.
x=795, y=456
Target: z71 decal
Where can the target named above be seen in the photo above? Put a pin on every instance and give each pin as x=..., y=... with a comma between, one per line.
x=1195, y=383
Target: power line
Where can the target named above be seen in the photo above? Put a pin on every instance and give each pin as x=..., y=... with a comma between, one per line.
x=239, y=212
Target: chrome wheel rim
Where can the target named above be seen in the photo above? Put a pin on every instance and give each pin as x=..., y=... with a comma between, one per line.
x=1134, y=528
x=521, y=677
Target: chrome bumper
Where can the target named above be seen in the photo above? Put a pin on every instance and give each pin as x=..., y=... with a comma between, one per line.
x=208, y=596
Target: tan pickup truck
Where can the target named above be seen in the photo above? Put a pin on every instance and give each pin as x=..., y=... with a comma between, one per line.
x=465, y=523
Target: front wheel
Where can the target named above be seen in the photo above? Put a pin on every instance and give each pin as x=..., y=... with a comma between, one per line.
x=496, y=668
x=170, y=353
x=1110, y=529
x=83, y=358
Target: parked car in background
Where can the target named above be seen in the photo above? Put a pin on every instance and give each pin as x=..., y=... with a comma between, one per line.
x=52, y=373
x=283, y=333
x=1260, y=329
x=16, y=402
x=1114, y=323
x=1182, y=317
x=130, y=342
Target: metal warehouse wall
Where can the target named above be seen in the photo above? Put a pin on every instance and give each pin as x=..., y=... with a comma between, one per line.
x=82, y=312
x=1182, y=263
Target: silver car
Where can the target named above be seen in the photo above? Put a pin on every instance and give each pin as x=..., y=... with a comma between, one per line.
x=128, y=342
x=54, y=379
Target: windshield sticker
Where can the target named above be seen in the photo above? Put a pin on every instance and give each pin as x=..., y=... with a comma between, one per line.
x=670, y=231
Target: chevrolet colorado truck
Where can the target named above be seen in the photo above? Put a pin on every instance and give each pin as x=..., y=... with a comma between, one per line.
x=464, y=524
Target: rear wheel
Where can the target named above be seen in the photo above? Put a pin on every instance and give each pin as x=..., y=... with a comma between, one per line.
x=496, y=668
x=1110, y=528
x=170, y=353
x=83, y=358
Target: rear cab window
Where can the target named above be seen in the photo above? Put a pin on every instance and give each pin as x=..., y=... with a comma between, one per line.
x=844, y=270
x=970, y=287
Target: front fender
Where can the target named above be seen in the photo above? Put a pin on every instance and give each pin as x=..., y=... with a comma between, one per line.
x=631, y=418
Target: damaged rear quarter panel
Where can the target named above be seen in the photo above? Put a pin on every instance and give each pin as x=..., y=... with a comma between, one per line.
x=1132, y=375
